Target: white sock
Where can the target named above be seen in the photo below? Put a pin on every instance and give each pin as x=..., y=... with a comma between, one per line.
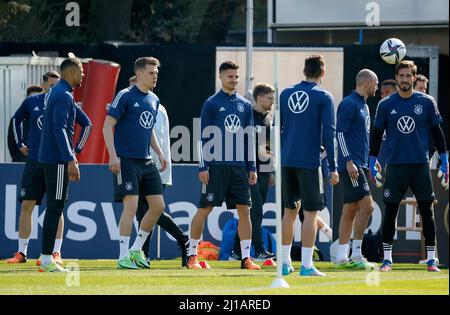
x=124, y=245
x=431, y=252
x=387, y=249
x=57, y=247
x=46, y=259
x=307, y=257
x=245, y=248
x=328, y=231
x=193, y=247
x=140, y=240
x=23, y=245
x=286, y=255
x=342, y=253
x=356, y=248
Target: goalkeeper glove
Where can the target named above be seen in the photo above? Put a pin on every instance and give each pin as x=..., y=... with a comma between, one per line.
x=443, y=170
x=374, y=173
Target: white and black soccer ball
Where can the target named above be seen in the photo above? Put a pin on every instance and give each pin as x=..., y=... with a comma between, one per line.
x=392, y=51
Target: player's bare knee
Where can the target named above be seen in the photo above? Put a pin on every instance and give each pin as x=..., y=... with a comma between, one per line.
x=244, y=217
x=369, y=209
x=350, y=210
x=161, y=206
x=28, y=206
x=204, y=212
x=310, y=216
x=290, y=214
x=129, y=211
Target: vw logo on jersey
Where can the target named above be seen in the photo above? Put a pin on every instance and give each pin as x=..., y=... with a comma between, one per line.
x=406, y=124
x=39, y=122
x=418, y=109
x=368, y=124
x=146, y=120
x=232, y=123
x=298, y=102
x=240, y=107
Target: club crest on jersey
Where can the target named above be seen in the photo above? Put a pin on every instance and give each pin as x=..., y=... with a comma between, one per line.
x=406, y=124
x=387, y=193
x=298, y=102
x=232, y=123
x=240, y=107
x=418, y=109
x=366, y=187
x=146, y=120
x=210, y=197
x=128, y=186
x=39, y=122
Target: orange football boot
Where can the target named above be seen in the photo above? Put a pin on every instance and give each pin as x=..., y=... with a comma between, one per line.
x=193, y=263
x=248, y=263
x=18, y=258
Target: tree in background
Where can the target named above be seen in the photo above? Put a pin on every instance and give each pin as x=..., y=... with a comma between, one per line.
x=8, y=11
x=125, y=20
x=217, y=20
x=160, y=21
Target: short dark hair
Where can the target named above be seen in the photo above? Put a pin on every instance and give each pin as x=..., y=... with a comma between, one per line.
x=50, y=74
x=406, y=64
x=227, y=65
x=132, y=79
x=141, y=62
x=69, y=63
x=262, y=89
x=390, y=82
x=314, y=65
x=34, y=89
x=421, y=77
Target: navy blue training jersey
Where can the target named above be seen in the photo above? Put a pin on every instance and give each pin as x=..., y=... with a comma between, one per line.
x=307, y=121
x=353, y=131
x=227, y=132
x=135, y=112
x=407, y=122
x=58, y=126
x=32, y=108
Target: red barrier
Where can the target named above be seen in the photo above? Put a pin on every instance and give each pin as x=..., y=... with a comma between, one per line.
x=99, y=90
x=78, y=94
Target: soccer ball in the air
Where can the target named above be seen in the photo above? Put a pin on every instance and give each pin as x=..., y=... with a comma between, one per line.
x=392, y=51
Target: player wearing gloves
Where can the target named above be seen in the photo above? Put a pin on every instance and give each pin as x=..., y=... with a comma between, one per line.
x=408, y=117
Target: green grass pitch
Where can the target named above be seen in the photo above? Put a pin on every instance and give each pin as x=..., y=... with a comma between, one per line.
x=225, y=278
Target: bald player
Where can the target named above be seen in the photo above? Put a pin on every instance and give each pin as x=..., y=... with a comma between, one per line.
x=353, y=130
